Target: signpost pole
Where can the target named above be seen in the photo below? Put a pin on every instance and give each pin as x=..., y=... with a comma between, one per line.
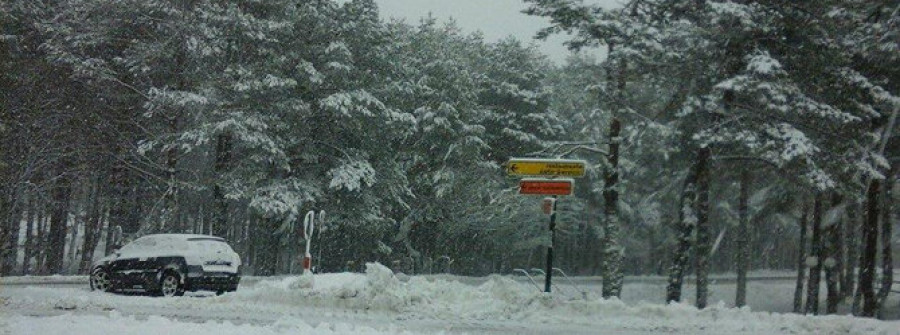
x=308, y=225
x=549, y=277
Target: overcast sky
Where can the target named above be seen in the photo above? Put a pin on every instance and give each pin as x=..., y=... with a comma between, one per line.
x=496, y=19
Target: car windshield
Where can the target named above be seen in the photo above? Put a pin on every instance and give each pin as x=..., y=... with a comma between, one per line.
x=141, y=244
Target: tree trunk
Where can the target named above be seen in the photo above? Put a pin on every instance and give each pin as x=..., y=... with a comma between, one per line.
x=223, y=159
x=40, y=243
x=266, y=247
x=887, y=261
x=612, y=249
x=743, y=240
x=839, y=248
x=612, y=252
x=91, y=227
x=110, y=232
x=801, y=260
x=31, y=207
x=851, y=234
x=79, y=220
x=687, y=220
x=58, y=221
x=170, y=198
x=742, y=261
x=121, y=205
x=593, y=257
x=6, y=210
x=11, y=249
x=870, y=249
x=831, y=261
x=171, y=216
x=703, y=247
x=816, y=251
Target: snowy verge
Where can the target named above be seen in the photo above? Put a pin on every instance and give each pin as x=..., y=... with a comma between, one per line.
x=83, y=279
x=505, y=299
x=379, y=295
x=115, y=323
x=55, y=279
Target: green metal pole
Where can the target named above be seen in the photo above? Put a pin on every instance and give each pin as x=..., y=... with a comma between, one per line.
x=549, y=276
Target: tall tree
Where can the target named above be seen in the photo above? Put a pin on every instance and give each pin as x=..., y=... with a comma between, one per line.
x=801, y=259
x=703, y=243
x=742, y=260
x=831, y=223
x=867, y=258
x=851, y=236
x=816, y=258
x=887, y=223
x=59, y=219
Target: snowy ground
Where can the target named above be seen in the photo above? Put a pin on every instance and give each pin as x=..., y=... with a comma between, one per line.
x=379, y=303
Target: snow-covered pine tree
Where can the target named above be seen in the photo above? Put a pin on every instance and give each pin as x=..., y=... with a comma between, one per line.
x=476, y=104
x=630, y=42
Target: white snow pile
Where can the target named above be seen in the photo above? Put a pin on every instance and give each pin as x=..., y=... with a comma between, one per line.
x=54, y=279
x=379, y=297
x=115, y=323
x=505, y=299
x=380, y=290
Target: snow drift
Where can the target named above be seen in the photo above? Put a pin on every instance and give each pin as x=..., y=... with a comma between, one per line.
x=379, y=297
x=119, y=324
x=502, y=298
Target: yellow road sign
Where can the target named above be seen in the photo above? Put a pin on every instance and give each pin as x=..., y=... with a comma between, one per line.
x=529, y=167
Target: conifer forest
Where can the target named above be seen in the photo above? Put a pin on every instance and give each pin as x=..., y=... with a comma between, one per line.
x=721, y=137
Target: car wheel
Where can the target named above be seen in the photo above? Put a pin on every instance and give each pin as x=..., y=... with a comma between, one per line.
x=170, y=285
x=100, y=281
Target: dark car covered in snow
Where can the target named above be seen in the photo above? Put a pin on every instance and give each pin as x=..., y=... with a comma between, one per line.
x=169, y=265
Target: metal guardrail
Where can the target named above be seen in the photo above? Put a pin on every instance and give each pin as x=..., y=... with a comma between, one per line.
x=543, y=273
x=577, y=289
x=527, y=274
x=522, y=271
x=895, y=288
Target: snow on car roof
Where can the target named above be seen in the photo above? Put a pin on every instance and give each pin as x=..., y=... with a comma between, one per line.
x=195, y=248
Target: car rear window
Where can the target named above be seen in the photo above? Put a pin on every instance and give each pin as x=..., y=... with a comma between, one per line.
x=153, y=245
x=209, y=245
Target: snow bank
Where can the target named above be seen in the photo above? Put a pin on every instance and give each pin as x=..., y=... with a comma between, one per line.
x=504, y=299
x=379, y=297
x=380, y=290
x=115, y=323
x=54, y=279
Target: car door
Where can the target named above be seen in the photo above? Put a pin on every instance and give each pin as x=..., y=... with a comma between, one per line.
x=133, y=262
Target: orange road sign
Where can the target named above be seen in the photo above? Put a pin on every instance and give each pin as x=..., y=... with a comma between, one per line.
x=546, y=186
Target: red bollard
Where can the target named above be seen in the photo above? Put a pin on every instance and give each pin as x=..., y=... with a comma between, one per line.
x=307, y=263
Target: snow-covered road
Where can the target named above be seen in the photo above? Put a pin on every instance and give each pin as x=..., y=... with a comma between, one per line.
x=379, y=303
